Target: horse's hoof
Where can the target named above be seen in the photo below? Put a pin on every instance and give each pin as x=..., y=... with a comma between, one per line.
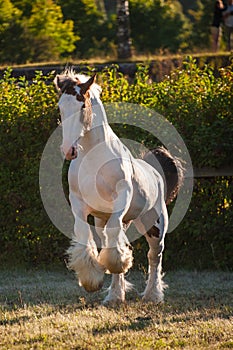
x=116, y=261
x=112, y=302
x=155, y=300
x=90, y=286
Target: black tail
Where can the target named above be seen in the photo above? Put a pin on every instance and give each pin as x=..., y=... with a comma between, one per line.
x=169, y=167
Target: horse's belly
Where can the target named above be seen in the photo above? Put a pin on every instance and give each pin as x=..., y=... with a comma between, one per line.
x=100, y=214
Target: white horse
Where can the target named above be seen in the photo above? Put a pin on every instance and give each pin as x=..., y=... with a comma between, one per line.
x=106, y=181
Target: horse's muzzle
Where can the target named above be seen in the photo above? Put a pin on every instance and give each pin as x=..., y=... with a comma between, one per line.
x=72, y=153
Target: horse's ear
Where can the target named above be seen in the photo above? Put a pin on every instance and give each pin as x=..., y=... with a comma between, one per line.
x=86, y=86
x=57, y=83
x=62, y=82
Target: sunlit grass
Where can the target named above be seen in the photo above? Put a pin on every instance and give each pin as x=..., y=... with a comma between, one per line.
x=47, y=310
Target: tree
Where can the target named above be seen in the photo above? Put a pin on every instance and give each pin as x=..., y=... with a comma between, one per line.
x=123, y=30
x=96, y=32
x=25, y=6
x=49, y=35
x=201, y=18
x=158, y=25
x=35, y=32
x=10, y=31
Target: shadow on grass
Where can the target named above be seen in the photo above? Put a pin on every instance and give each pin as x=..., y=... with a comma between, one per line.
x=138, y=324
x=13, y=321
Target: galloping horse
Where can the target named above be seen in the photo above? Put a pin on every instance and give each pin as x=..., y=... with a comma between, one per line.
x=107, y=182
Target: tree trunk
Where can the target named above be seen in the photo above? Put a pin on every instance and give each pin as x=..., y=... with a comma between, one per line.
x=123, y=30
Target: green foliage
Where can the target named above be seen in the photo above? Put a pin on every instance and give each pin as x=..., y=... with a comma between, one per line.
x=25, y=6
x=28, y=114
x=201, y=17
x=197, y=103
x=49, y=30
x=158, y=26
x=96, y=32
x=200, y=106
x=204, y=237
x=10, y=31
x=35, y=33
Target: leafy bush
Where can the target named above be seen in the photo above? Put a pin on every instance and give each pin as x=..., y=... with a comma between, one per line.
x=200, y=106
x=194, y=100
x=204, y=237
x=28, y=114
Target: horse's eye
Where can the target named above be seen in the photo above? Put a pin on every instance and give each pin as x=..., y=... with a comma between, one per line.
x=80, y=98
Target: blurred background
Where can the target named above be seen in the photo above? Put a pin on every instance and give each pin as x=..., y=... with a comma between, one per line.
x=52, y=30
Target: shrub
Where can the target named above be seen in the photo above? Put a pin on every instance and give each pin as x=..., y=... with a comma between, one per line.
x=28, y=114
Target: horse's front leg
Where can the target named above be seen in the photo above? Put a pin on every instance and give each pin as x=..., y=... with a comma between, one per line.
x=119, y=286
x=116, y=254
x=83, y=254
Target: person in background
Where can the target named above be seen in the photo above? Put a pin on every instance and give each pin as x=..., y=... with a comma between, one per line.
x=216, y=29
x=228, y=21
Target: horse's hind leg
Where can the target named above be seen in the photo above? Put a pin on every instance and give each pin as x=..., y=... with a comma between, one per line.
x=155, y=238
x=155, y=285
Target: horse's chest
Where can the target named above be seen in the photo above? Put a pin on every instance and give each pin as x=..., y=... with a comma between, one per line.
x=94, y=191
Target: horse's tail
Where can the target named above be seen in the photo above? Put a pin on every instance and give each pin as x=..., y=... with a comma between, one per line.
x=169, y=167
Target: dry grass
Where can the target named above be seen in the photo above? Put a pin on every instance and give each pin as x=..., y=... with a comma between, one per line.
x=47, y=310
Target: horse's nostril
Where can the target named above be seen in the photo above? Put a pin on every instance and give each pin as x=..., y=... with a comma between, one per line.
x=129, y=246
x=73, y=150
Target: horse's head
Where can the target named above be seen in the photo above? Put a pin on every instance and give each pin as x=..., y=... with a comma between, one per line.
x=75, y=109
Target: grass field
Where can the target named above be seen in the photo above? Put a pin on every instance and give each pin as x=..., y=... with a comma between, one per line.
x=45, y=309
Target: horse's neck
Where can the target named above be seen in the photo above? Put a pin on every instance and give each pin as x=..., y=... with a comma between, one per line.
x=99, y=115
x=100, y=131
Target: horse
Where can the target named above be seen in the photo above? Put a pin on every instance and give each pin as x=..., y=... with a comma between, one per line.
x=116, y=189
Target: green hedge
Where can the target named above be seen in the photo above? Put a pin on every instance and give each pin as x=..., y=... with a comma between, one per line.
x=200, y=106
x=28, y=114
